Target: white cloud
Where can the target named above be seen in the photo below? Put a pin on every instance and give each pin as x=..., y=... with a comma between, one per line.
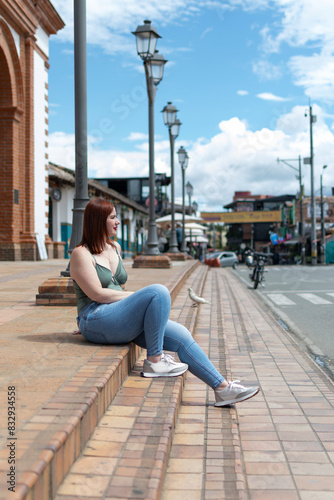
x=242, y=92
x=265, y=70
x=268, y=96
x=205, y=32
x=316, y=75
x=302, y=21
x=109, y=24
x=298, y=23
x=137, y=136
x=303, y=24
x=235, y=159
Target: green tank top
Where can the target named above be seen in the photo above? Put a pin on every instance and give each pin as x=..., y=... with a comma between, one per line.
x=107, y=279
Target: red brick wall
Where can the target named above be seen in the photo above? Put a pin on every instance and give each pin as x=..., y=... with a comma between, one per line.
x=17, y=223
x=11, y=100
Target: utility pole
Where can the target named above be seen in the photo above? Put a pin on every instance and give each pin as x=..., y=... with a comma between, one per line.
x=310, y=161
x=301, y=197
x=323, y=239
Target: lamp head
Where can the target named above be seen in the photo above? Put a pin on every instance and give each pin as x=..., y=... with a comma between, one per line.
x=169, y=113
x=175, y=128
x=182, y=154
x=155, y=67
x=189, y=189
x=146, y=37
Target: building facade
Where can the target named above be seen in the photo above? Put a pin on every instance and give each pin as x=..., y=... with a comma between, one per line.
x=25, y=29
x=137, y=189
x=132, y=232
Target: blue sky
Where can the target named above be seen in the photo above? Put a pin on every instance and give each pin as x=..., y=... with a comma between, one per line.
x=241, y=73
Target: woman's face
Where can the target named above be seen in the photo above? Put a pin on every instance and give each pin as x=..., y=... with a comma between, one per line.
x=112, y=224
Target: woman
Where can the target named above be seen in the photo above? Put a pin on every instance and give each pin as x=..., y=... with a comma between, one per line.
x=109, y=315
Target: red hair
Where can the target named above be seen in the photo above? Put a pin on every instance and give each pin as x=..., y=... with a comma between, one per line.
x=94, y=234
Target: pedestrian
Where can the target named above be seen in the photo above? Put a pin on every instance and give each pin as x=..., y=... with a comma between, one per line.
x=107, y=314
x=167, y=233
x=179, y=233
x=162, y=240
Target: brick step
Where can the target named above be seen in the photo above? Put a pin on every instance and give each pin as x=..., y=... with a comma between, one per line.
x=50, y=442
x=127, y=454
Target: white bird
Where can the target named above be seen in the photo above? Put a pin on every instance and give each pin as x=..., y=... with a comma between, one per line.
x=196, y=299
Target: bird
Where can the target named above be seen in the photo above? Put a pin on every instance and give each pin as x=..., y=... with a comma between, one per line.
x=196, y=299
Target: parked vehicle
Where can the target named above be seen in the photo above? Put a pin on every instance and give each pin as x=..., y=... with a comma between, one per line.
x=228, y=259
x=249, y=258
x=257, y=275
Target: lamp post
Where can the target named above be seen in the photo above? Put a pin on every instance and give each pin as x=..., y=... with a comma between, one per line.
x=194, y=206
x=301, y=197
x=146, y=37
x=80, y=90
x=173, y=124
x=309, y=161
x=183, y=160
x=190, y=190
x=323, y=240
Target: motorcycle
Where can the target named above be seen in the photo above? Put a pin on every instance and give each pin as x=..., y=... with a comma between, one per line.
x=249, y=259
x=257, y=276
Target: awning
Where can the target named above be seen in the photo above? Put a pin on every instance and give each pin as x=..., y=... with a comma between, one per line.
x=293, y=241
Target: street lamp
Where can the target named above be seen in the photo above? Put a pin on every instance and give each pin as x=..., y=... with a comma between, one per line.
x=194, y=206
x=173, y=124
x=81, y=198
x=323, y=239
x=146, y=37
x=301, y=196
x=183, y=160
x=190, y=190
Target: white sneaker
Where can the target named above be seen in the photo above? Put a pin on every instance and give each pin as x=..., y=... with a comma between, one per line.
x=166, y=367
x=234, y=393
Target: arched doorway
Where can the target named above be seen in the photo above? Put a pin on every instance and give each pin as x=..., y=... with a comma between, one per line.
x=11, y=158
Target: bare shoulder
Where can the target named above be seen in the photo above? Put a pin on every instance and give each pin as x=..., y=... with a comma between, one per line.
x=80, y=259
x=80, y=253
x=118, y=246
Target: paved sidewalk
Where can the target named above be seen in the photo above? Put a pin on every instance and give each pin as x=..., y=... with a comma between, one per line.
x=56, y=375
x=278, y=445
x=127, y=454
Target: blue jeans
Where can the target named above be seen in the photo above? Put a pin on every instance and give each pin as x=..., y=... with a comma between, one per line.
x=143, y=319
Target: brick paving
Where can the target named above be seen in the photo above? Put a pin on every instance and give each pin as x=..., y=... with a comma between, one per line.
x=136, y=430
x=63, y=383
x=278, y=445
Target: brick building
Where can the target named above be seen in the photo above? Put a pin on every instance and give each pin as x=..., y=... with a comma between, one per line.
x=25, y=28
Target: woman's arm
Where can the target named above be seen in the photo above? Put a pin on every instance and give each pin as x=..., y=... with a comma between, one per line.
x=83, y=271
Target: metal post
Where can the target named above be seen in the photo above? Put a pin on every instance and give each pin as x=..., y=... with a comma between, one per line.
x=173, y=248
x=152, y=239
x=301, y=196
x=80, y=81
x=313, y=219
x=183, y=244
x=323, y=248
